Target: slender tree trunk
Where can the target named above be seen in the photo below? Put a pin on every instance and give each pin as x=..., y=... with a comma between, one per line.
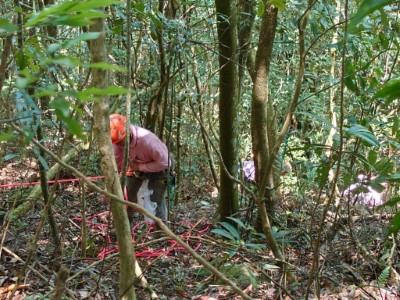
x=332, y=90
x=263, y=121
x=246, y=21
x=228, y=101
x=109, y=167
x=178, y=168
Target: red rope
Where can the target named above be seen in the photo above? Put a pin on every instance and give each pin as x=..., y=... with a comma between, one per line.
x=50, y=182
x=147, y=252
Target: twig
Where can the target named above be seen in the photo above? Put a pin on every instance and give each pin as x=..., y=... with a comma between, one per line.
x=44, y=278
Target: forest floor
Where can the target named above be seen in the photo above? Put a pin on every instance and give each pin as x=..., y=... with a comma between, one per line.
x=352, y=263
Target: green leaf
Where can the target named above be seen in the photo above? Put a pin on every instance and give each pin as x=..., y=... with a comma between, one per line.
x=255, y=246
x=7, y=27
x=279, y=4
x=390, y=90
x=260, y=8
x=41, y=159
x=65, y=60
x=385, y=165
x=237, y=221
x=232, y=230
x=364, y=134
x=394, y=177
x=224, y=233
x=93, y=4
x=81, y=19
x=316, y=117
x=6, y=136
x=366, y=8
x=11, y=156
x=349, y=79
x=395, y=224
x=81, y=38
x=62, y=109
x=372, y=157
x=384, y=276
x=73, y=13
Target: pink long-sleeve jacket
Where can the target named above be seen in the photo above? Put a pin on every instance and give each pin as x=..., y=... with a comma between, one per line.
x=146, y=149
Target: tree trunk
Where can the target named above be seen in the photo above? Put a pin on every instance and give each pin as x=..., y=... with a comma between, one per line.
x=228, y=101
x=246, y=21
x=263, y=122
x=109, y=167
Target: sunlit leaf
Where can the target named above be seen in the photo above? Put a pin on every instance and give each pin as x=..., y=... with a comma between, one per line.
x=260, y=8
x=279, y=4
x=6, y=136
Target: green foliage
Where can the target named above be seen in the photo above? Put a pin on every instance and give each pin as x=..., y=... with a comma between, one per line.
x=364, y=134
x=384, y=276
x=71, y=13
x=366, y=8
x=63, y=111
x=232, y=233
x=7, y=27
x=28, y=113
x=391, y=91
x=280, y=4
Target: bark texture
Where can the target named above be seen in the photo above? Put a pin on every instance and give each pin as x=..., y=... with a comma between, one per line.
x=109, y=167
x=228, y=100
x=263, y=119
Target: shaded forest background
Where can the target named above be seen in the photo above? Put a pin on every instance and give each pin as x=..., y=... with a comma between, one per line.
x=308, y=91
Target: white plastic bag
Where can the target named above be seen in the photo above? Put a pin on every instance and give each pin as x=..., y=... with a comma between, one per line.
x=143, y=196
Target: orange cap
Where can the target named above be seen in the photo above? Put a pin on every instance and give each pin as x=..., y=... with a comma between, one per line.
x=117, y=128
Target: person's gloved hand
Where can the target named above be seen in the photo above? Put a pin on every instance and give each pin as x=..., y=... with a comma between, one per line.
x=134, y=166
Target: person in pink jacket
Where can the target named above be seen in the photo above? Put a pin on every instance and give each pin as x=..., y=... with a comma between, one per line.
x=148, y=160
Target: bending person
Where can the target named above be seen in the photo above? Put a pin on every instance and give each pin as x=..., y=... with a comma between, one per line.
x=148, y=164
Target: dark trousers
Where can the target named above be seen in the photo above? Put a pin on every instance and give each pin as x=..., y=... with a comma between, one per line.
x=157, y=188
